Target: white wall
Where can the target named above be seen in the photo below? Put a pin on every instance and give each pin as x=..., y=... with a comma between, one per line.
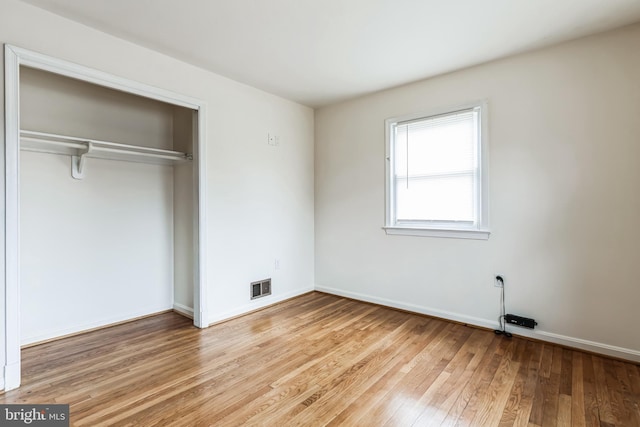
x=184, y=238
x=262, y=208
x=57, y=104
x=259, y=198
x=93, y=251
x=564, y=129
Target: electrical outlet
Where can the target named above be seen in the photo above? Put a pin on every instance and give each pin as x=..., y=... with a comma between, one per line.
x=276, y=264
x=498, y=281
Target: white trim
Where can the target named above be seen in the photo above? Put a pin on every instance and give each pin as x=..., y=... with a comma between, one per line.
x=573, y=342
x=11, y=376
x=12, y=219
x=183, y=309
x=14, y=58
x=481, y=229
x=432, y=232
x=258, y=304
x=91, y=75
x=201, y=313
x=477, y=321
x=592, y=346
x=484, y=165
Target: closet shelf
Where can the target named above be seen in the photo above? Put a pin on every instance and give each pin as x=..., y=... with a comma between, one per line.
x=81, y=148
x=71, y=145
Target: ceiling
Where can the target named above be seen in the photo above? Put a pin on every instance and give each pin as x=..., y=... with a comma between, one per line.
x=319, y=52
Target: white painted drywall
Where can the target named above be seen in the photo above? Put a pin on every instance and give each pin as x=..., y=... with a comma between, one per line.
x=259, y=197
x=564, y=129
x=184, y=239
x=98, y=250
x=94, y=251
x=57, y=104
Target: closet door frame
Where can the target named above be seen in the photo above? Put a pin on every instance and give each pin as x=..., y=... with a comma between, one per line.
x=14, y=57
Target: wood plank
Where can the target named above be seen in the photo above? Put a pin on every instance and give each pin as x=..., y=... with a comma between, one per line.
x=376, y=396
x=564, y=410
x=518, y=407
x=605, y=409
x=577, y=392
x=631, y=398
x=633, y=371
x=617, y=386
x=414, y=401
x=526, y=404
x=324, y=360
x=544, y=371
x=592, y=412
x=470, y=400
x=497, y=394
x=461, y=370
x=566, y=372
x=430, y=349
x=551, y=389
x=381, y=356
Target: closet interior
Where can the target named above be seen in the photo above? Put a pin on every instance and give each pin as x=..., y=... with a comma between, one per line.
x=107, y=196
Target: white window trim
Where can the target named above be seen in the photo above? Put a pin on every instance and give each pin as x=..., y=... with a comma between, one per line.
x=481, y=232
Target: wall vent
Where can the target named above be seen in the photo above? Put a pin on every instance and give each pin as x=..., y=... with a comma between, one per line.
x=260, y=288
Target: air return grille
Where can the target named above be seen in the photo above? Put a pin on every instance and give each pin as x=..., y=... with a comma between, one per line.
x=260, y=288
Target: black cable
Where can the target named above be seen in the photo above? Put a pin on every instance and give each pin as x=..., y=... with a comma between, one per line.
x=501, y=318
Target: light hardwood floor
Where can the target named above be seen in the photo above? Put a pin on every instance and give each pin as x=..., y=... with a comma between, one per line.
x=323, y=360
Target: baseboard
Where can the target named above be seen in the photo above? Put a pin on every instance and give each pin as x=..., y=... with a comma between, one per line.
x=183, y=310
x=88, y=327
x=586, y=345
x=567, y=341
x=256, y=305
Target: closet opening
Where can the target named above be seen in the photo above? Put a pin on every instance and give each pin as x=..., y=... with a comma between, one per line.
x=105, y=190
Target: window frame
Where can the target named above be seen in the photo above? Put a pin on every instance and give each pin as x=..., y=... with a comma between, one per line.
x=480, y=229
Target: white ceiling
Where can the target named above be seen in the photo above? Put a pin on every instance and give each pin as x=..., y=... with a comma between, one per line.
x=318, y=52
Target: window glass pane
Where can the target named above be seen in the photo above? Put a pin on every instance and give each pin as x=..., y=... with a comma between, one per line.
x=436, y=199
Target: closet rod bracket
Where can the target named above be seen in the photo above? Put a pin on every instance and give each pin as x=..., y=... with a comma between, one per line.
x=78, y=162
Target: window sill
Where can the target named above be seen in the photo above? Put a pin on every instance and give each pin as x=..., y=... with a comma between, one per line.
x=438, y=232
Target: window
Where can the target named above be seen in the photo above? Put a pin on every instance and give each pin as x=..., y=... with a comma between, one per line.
x=436, y=174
